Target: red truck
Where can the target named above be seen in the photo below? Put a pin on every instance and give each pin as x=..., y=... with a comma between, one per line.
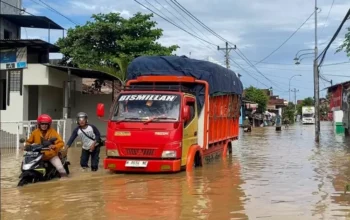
x=174, y=114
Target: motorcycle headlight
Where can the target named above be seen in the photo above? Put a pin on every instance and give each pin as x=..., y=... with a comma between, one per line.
x=113, y=153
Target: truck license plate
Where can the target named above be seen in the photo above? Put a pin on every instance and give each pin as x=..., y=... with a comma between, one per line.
x=136, y=163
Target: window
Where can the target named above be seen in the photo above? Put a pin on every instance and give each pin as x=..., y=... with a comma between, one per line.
x=7, y=34
x=192, y=112
x=3, y=93
x=15, y=81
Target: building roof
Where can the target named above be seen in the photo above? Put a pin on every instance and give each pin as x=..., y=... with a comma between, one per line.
x=30, y=21
x=84, y=73
x=30, y=43
x=247, y=101
x=336, y=85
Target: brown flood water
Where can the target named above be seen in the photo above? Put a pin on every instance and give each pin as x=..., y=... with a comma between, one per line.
x=270, y=176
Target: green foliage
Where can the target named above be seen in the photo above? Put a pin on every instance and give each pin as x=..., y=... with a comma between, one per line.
x=289, y=112
x=306, y=102
x=256, y=95
x=345, y=46
x=109, y=42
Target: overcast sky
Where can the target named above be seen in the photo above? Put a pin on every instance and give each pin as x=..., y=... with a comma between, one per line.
x=256, y=27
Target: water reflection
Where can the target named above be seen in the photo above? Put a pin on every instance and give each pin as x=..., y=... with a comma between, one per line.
x=271, y=175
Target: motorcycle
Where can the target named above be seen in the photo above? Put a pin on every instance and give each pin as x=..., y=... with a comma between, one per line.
x=34, y=169
x=247, y=129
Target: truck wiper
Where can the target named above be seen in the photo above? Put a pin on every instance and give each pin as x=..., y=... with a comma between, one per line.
x=156, y=118
x=125, y=119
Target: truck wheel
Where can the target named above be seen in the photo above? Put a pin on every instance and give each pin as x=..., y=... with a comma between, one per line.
x=229, y=148
x=197, y=162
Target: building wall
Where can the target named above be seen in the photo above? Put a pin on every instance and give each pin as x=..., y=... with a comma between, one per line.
x=87, y=103
x=50, y=101
x=39, y=74
x=6, y=9
x=13, y=112
x=43, y=93
x=4, y=24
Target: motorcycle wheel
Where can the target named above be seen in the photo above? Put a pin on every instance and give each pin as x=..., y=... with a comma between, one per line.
x=23, y=182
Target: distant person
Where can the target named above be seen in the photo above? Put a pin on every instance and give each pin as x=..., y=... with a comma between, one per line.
x=246, y=125
x=278, y=122
x=286, y=122
x=91, y=139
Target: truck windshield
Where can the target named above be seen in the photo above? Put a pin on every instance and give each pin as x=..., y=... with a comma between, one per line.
x=141, y=107
x=308, y=115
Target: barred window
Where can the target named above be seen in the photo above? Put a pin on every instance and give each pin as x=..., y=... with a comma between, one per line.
x=15, y=81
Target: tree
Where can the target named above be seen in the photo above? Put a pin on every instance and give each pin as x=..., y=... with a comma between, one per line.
x=110, y=42
x=306, y=102
x=345, y=46
x=289, y=112
x=258, y=96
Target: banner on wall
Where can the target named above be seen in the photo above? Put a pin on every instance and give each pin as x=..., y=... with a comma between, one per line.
x=14, y=58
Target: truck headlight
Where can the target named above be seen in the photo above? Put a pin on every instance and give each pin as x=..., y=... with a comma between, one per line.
x=112, y=153
x=169, y=154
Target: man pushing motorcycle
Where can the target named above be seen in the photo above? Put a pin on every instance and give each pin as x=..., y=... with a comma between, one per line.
x=45, y=132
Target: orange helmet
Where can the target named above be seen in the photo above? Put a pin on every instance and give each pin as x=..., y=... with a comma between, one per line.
x=44, y=119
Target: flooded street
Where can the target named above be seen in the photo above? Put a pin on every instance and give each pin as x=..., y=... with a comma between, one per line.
x=270, y=176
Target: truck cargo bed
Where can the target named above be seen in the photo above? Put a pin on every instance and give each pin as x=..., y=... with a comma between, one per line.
x=223, y=118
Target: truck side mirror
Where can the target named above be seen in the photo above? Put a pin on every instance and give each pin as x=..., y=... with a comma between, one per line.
x=186, y=113
x=100, y=110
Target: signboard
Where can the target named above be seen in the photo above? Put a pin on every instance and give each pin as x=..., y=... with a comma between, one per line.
x=15, y=58
x=336, y=99
x=346, y=99
x=346, y=107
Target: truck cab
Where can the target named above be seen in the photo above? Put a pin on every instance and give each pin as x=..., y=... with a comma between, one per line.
x=151, y=131
x=308, y=115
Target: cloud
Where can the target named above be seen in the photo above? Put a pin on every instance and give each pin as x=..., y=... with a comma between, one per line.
x=256, y=27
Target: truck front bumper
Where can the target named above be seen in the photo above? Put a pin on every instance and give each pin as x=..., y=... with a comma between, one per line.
x=153, y=166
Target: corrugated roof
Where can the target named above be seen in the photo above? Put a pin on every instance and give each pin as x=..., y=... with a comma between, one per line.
x=333, y=86
x=31, y=43
x=30, y=21
x=84, y=73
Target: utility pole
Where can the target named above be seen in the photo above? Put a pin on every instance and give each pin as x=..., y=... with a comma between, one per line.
x=227, y=54
x=295, y=98
x=316, y=84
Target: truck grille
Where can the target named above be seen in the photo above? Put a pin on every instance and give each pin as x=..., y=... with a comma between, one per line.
x=139, y=152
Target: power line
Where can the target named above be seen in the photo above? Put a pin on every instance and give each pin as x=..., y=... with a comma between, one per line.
x=254, y=67
x=270, y=54
x=181, y=27
x=337, y=75
x=329, y=12
x=324, y=52
x=173, y=23
x=333, y=64
x=177, y=4
x=54, y=10
x=218, y=36
x=183, y=17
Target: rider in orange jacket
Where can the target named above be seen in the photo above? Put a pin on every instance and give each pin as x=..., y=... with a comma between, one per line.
x=45, y=132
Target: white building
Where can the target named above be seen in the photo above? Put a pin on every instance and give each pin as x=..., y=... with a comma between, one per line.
x=30, y=86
